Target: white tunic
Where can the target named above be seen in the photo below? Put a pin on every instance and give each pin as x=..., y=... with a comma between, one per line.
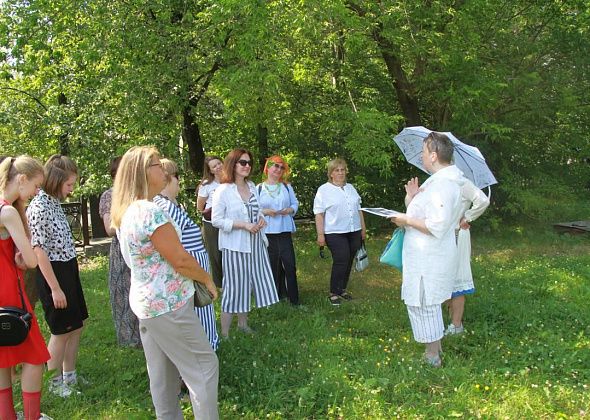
x=430, y=261
x=473, y=202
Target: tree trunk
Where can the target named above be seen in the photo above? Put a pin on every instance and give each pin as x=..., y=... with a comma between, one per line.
x=403, y=88
x=191, y=135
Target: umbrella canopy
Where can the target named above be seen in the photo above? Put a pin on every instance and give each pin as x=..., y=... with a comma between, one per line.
x=467, y=158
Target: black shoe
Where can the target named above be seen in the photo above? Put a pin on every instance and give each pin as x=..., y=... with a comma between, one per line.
x=345, y=295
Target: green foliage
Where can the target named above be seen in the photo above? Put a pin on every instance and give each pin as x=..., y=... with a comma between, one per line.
x=322, y=79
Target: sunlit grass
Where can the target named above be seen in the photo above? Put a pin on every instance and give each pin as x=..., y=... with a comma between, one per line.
x=525, y=354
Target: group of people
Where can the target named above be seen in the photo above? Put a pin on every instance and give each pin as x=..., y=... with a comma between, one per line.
x=244, y=247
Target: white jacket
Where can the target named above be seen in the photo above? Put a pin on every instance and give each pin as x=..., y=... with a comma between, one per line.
x=430, y=260
x=228, y=207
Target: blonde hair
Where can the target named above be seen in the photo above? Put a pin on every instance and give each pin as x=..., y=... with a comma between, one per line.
x=10, y=168
x=58, y=169
x=170, y=168
x=131, y=182
x=333, y=164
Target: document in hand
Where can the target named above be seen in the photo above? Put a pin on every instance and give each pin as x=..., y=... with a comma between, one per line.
x=380, y=211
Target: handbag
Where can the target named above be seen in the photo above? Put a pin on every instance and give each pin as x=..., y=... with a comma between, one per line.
x=202, y=296
x=392, y=254
x=361, y=258
x=15, y=323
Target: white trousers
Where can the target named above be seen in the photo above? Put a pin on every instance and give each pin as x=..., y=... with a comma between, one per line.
x=427, y=323
x=175, y=345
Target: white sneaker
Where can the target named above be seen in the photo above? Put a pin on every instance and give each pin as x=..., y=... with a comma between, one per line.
x=76, y=380
x=452, y=330
x=45, y=417
x=21, y=416
x=60, y=389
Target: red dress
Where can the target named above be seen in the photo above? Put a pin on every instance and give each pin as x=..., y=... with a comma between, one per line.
x=33, y=350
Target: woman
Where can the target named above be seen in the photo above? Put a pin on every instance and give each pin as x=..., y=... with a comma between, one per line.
x=58, y=276
x=473, y=202
x=162, y=290
x=339, y=224
x=211, y=180
x=20, y=178
x=279, y=205
x=126, y=323
x=242, y=242
x=430, y=253
x=190, y=237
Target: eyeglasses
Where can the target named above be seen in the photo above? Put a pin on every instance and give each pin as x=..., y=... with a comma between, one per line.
x=155, y=164
x=244, y=162
x=276, y=165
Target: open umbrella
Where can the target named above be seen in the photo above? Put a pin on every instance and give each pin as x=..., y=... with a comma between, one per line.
x=467, y=158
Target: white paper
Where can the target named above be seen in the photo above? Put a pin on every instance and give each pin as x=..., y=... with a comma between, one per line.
x=380, y=211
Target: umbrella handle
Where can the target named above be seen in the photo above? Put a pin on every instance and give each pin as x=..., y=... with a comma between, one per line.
x=489, y=192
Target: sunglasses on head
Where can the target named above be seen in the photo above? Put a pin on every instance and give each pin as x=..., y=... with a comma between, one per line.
x=244, y=162
x=276, y=165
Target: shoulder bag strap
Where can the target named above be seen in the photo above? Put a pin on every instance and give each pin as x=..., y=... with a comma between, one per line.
x=18, y=280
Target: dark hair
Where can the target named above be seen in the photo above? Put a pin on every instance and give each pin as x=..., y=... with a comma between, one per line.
x=441, y=145
x=229, y=165
x=208, y=177
x=58, y=169
x=114, y=166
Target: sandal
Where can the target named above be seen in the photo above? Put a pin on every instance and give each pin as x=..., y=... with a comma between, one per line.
x=434, y=361
x=345, y=295
x=335, y=300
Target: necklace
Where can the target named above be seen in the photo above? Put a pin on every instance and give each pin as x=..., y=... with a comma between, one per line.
x=273, y=192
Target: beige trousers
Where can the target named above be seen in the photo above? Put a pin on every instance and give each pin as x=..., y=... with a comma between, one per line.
x=175, y=345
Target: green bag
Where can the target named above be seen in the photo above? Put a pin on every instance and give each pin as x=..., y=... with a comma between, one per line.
x=392, y=254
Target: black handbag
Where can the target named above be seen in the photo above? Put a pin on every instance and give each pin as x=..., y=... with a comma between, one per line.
x=15, y=323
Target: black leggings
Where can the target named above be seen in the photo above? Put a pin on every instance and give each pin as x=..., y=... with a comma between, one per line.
x=343, y=247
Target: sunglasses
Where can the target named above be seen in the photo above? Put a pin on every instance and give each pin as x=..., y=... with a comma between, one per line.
x=276, y=165
x=244, y=162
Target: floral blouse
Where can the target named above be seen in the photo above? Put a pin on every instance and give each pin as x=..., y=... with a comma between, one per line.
x=49, y=228
x=156, y=288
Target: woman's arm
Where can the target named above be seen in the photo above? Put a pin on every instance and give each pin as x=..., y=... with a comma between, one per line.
x=319, y=227
x=106, y=220
x=363, y=227
x=11, y=219
x=403, y=220
x=166, y=242
x=59, y=298
x=201, y=202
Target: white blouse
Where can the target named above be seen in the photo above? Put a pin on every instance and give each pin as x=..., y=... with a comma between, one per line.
x=206, y=191
x=228, y=207
x=430, y=260
x=340, y=205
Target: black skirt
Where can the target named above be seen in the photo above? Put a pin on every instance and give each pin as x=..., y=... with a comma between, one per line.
x=63, y=321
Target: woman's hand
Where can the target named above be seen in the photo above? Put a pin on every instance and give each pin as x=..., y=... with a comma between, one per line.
x=59, y=299
x=269, y=212
x=412, y=187
x=212, y=290
x=261, y=222
x=321, y=239
x=286, y=211
x=19, y=260
x=464, y=224
x=400, y=219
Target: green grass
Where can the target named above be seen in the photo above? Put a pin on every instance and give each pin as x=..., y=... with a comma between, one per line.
x=525, y=354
